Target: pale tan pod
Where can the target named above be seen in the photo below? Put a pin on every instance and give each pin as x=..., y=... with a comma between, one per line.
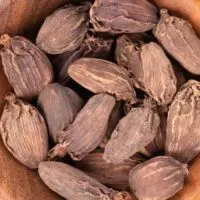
x=101, y=76
x=24, y=132
x=73, y=184
x=157, y=179
x=182, y=139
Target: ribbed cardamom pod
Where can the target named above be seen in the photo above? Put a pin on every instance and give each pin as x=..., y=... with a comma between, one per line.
x=179, y=40
x=27, y=68
x=157, y=179
x=114, y=176
x=60, y=105
x=93, y=47
x=138, y=128
x=24, y=132
x=116, y=16
x=182, y=139
x=150, y=68
x=88, y=129
x=64, y=30
x=100, y=76
x=73, y=184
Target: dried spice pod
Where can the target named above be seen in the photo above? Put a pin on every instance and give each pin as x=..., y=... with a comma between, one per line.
x=60, y=105
x=182, y=139
x=114, y=176
x=24, y=132
x=74, y=184
x=100, y=76
x=179, y=40
x=133, y=133
x=94, y=47
x=115, y=16
x=88, y=129
x=150, y=68
x=64, y=30
x=27, y=68
x=158, y=178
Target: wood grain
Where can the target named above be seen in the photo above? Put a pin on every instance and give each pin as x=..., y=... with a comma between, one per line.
x=20, y=183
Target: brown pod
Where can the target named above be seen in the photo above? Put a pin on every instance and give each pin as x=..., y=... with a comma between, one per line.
x=179, y=40
x=64, y=30
x=88, y=129
x=133, y=133
x=27, y=68
x=115, y=16
x=101, y=76
x=93, y=47
x=150, y=68
x=24, y=132
x=60, y=105
x=182, y=139
x=73, y=184
x=114, y=176
x=158, y=178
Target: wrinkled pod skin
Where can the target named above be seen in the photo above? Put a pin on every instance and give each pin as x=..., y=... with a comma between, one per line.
x=60, y=105
x=24, y=132
x=74, y=184
x=158, y=178
x=27, y=68
x=64, y=30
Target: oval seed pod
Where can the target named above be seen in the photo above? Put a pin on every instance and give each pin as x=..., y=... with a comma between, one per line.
x=149, y=67
x=64, y=30
x=60, y=105
x=27, y=68
x=133, y=133
x=158, y=178
x=101, y=76
x=88, y=129
x=114, y=176
x=24, y=132
x=115, y=16
x=74, y=184
x=182, y=139
x=179, y=40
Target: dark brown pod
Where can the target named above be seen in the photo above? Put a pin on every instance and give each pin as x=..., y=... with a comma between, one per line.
x=138, y=128
x=27, y=68
x=88, y=129
x=64, y=30
x=179, y=40
x=60, y=105
x=158, y=178
x=115, y=16
x=149, y=68
x=24, y=132
x=93, y=47
x=114, y=176
x=74, y=184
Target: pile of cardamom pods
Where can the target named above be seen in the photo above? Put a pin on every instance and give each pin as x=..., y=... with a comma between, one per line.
x=105, y=101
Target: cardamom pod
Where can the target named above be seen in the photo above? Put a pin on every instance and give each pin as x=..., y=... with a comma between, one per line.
x=60, y=105
x=179, y=40
x=74, y=184
x=134, y=132
x=114, y=176
x=100, y=76
x=27, y=68
x=115, y=16
x=158, y=178
x=64, y=30
x=182, y=139
x=88, y=129
x=92, y=46
x=24, y=132
x=150, y=68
